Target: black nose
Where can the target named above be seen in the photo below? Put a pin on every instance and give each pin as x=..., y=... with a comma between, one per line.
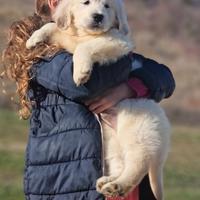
x=98, y=17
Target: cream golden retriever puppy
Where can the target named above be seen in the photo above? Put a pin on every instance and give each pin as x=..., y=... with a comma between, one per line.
x=97, y=31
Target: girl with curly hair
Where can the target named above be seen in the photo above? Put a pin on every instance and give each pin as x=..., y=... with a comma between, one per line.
x=63, y=154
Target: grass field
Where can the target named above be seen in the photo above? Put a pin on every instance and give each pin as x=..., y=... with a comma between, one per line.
x=182, y=171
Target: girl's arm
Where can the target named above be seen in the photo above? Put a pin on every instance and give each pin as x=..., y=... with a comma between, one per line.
x=160, y=86
x=56, y=74
x=156, y=77
x=134, y=88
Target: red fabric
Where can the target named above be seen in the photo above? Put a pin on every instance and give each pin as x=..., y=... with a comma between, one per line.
x=134, y=195
x=138, y=86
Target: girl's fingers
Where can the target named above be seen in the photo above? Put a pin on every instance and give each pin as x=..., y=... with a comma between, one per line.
x=92, y=107
x=102, y=108
x=96, y=104
x=107, y=100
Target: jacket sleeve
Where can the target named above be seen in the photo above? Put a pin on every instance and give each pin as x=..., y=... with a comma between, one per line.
x=56, y=74
x=157, y=77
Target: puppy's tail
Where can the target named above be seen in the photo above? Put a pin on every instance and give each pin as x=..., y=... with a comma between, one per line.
x=156, y=182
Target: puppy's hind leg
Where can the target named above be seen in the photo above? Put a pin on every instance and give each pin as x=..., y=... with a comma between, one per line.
x=113, y=163
x=135, y=169
x=131, y=135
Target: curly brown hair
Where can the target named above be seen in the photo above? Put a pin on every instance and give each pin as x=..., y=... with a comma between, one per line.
x=17, y=59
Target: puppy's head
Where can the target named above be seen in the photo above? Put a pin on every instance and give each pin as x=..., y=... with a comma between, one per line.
x=92, y=16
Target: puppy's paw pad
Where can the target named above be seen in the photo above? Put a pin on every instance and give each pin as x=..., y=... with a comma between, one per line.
x=82, y=77
x=36, y=38
x=82, y=67
x=102, y=181
x=112, y=190
x=32, y=42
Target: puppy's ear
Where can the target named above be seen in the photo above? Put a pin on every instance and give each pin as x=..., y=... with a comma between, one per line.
x=62, y=15
x=42, y=9
x=121, y=17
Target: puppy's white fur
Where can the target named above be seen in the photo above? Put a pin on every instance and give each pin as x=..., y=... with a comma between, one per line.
x=139, y=146
x=142, y=140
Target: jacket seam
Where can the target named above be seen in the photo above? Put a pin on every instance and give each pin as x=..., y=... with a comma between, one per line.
x=58, y=84
x=62, y=162
x=61, y=132
x=61, y=193
x=51, y=105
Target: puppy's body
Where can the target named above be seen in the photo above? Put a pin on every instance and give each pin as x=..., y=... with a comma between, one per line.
x=137, y=147
x=142, y=140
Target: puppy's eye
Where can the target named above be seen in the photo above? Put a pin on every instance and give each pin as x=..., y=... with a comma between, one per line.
x=107, y=6
x=86, y=3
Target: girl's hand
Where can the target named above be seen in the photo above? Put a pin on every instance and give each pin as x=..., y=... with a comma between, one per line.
x=110, y=98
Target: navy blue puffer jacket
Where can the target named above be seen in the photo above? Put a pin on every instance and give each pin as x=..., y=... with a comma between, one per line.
x=63, y=156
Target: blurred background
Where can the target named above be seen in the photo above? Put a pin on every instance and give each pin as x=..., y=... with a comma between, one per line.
x=165, y=30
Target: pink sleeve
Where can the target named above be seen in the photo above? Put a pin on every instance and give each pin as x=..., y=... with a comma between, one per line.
x=139, y=88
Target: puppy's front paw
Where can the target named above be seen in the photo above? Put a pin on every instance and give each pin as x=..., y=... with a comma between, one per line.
x=102, y=181
x=34, y=40
x=82, y=69
x=82, y=77
x=115, y=189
